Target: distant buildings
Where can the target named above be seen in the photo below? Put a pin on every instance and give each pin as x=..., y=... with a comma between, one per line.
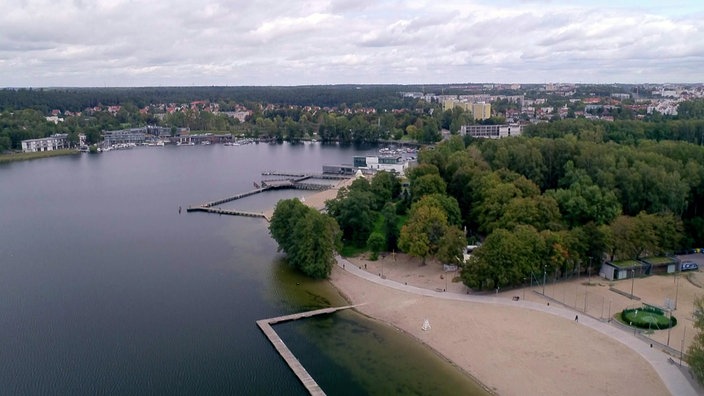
x=480, y=110
x=492, y=131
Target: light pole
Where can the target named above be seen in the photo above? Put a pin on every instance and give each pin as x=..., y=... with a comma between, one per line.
x=524, y=289
x=589, y=272
x=545, y=273
x=610, y=301
x=677, y=289
x=633, y=280
x=669, y=327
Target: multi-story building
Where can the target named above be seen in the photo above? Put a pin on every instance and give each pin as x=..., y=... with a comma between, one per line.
x=481, y=111
x=53, y=142
x=132, y=135
x=385, y=163
x=492, y=131
x=57, y=141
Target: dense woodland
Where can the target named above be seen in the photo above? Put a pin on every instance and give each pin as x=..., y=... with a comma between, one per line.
x=348, y=114
x=557, y=205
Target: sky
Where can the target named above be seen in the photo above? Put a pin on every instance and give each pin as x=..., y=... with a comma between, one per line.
x=123, y=43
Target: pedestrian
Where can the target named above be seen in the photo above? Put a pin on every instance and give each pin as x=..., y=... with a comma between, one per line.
x=576, y=318
x=365, y=266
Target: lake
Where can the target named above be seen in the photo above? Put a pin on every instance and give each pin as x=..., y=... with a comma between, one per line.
x=105, y=288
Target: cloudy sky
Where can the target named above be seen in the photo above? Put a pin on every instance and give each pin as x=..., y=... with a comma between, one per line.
x=282, y=42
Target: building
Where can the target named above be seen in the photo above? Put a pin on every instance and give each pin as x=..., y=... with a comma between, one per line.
x=481, y=111
x=132, y=135
x=54, y=142
x=385, y=163
x=136, y=135
x=491, y=131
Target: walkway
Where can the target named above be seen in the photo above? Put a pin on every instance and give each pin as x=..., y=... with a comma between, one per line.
x=295, y=365
x=671, y=375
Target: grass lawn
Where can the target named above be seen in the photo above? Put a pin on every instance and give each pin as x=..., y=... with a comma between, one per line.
x=645, y=319
x=29, y=156
x=626, y=263
x=658, y=260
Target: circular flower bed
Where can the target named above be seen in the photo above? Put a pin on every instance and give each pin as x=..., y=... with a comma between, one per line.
x=647, y=317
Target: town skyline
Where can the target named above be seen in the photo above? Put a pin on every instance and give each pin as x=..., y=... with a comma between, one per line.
x=266, y=43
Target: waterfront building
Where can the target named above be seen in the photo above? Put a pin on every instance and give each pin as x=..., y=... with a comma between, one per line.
x=131, y=135
x=379, y=163
x=54, y=142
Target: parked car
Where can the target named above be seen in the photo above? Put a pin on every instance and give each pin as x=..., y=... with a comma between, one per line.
x=689, y=266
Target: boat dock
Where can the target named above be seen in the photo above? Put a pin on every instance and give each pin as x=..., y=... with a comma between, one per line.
x=295, y=365
x=287, y=180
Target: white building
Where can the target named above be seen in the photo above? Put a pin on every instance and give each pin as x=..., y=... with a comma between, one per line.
x=385, y=163
x=53, y=142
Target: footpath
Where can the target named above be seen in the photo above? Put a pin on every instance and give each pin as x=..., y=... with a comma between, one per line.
x=669, y=371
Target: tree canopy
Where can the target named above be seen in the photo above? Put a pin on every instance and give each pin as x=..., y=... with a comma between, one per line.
x=308, y=237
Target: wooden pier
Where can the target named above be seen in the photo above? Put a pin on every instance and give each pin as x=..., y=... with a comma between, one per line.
x=295, y=365
x=225, y=211
x=292, y=180
x=234, y=197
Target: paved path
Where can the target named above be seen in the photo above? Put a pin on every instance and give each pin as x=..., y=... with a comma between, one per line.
x=671, y=375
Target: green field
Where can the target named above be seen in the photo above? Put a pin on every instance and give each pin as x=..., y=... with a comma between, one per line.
x=30, y=156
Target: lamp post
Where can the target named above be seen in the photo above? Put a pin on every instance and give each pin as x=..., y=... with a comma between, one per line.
x=589, y=271
x=677, y=289
x=524, y=289
x=633, y=280
x=669, y=327
x=545, y=273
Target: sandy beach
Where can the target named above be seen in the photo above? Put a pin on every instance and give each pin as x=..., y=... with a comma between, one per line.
x=513, y=350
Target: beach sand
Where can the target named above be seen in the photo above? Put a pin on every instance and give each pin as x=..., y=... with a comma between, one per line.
x=511, y=350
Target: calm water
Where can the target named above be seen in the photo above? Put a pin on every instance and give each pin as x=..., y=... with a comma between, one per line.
x=106, y=289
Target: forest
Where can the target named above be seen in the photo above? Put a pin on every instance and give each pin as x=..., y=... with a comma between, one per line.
x=557, y=204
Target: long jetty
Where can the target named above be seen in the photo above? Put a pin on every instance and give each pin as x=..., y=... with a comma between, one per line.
x=295, y=365
x=225, y=211
x=290, y=180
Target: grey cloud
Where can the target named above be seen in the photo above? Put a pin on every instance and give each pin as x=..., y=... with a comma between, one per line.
x=329, y=41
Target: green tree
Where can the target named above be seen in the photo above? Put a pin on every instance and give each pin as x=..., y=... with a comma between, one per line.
x=353, y=209
x=308, y=237
x=426, y=185
x=376, y=243
x=391, y=227
x=421, y=235
x=386, y=186
x=451, y=246
x=695, y=352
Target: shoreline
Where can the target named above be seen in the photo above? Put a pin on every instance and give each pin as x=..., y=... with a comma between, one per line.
x=465, y=372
